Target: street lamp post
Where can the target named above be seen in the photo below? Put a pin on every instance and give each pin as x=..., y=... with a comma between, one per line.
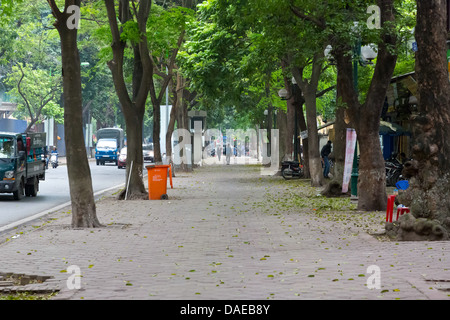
x=355, y=171
x=294, y=90
x=363, y=55
x=267, y=127
x=296, y=142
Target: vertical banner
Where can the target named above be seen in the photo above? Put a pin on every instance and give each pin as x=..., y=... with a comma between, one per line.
x=198, y=142
x=274, y=159
x=349, y=155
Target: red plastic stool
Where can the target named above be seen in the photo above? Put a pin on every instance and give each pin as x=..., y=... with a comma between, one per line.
x=390, y=208
x=401, y=211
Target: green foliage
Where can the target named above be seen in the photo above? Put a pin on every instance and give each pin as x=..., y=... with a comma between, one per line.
x=27, y=40
x=7, y=7
x=235, y=44
x=210, y=59
x=164, y=28
x=231, y=55
x=229, y=63
x=40, y=89
x=130, y=32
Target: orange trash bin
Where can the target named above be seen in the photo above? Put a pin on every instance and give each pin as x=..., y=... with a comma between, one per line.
x=157, y=181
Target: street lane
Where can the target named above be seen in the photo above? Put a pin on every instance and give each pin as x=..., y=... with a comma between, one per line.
x=54, y=191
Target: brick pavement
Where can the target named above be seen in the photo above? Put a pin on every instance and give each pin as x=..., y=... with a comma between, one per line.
x=223, y=234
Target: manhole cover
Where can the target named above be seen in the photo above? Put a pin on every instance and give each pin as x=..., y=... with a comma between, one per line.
x=16, y=282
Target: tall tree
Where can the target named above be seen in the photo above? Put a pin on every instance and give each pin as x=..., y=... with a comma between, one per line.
x=167, y=30
x=132, y=31
x=365, y=117
x=430, y=167
x=309, y=89
x=229, y=61
x=80, y=181
x=334, y=188
x=365, y=113
x=30, y=62
x=38, y=93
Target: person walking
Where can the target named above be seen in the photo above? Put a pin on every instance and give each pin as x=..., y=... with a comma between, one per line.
x=325, y=153
x=219, y=149
x=228, y=152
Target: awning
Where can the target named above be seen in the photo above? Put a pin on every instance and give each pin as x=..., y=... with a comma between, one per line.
x=392, y=129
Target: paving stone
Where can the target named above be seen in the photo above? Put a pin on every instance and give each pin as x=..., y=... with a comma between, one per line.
x=218, y=237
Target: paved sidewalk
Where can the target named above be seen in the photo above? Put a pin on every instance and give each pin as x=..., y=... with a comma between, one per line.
x=226, y=233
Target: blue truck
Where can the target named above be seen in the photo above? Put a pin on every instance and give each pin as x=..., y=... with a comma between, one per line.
x=109, y=143
x=22, y=163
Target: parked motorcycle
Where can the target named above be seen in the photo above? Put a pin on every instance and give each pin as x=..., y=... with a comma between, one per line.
x=54, y=160
x=291, y=169
x=393, y=171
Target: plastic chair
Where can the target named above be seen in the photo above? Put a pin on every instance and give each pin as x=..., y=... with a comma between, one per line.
x=390, y=208
x=401, y=211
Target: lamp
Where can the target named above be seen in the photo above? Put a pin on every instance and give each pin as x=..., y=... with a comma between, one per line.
x=327, y=51
x=328, y=55
x=283, y=94
x=368, y=53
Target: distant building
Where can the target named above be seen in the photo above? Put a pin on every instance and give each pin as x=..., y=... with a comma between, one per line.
x=7, y=122
x=7, y=109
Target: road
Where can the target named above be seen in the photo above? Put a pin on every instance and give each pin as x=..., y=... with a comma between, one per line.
x=54, y=192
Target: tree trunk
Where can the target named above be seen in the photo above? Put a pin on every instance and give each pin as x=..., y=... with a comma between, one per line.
x=372, y=173
x=133, y=108
x=340, y=136
x=80, y=182
x=301, y=126
x=334, y=187
x=365, y=118
x=135, y=161
x=290, y=129
x=340, y=143
x=172, y=121
x=157, y=98
x=290, y=117
x=282, y=127
x=156, y=133
x=429, y=171
x=314, y=161
x=182, y=119
x=309, y=89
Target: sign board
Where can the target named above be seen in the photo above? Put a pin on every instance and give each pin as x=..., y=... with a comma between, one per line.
x=38, y=140
x=349, y=155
